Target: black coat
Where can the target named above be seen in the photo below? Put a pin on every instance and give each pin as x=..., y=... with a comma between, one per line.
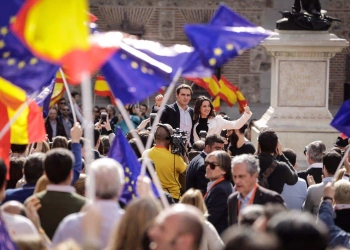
x=262, y=196
x=59, y=130
x=315, y=172
x=216, y=202
x=195, y=174
x=171, y=115
x=284, y=173
x=342, y=219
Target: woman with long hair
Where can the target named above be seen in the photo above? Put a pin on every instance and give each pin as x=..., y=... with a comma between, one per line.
x=133, y=117
x=211, y=239
x=205, y=119
x=131, y=230
x=239, y=144
x=218, y=171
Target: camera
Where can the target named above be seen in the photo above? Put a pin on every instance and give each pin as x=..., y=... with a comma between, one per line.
x=103, y=117
x=202, y=135
x=178, y=142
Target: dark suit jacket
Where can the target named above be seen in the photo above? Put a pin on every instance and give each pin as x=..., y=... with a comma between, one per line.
x=315, y=172
x=171, y=115
x=60, y=129
x=195, y=174
x=262, y=196
x=216, y=202
x=342, y=219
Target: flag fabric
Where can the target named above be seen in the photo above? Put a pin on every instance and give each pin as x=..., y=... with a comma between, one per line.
x=162, y=90
x=228, y=92
x=210, y=84
x=241, y=101
x=122, y=152
x=17, y=64
x=44, y=98
x=61, y=39
x=216, y=103
x=102, y=89
x=222, y=40
x=29, y=126
x=341, y=121
x=140, y=68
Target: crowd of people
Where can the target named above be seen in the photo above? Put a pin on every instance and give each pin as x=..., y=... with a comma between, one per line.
x=223, y=191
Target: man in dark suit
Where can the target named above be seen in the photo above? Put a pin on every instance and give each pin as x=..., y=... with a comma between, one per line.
x=54, y=127
x=314, y=153
x=195, y=174
x=178, y=114
x=245, y=171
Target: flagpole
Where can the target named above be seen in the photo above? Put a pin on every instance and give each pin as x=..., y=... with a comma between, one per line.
x=86, y=93
x=18, y=112
x=69, y=95
x=141, y=148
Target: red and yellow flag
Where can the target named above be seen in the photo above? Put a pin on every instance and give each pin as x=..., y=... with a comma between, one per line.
x=61, y=38
x=58, y=90
x=102, y=88
x=216, y=103
x=231, y=94
x=29, y=126
x=210, y=84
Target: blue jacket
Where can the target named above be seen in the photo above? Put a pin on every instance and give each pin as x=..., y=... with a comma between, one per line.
x=337, y=236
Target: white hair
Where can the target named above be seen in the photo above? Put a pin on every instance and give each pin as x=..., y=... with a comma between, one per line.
x=109, y=178
x=250, y=160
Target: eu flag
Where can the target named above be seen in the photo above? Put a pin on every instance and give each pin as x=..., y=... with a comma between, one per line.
x=44, y=98
x=17, y=64
x=341, y=120
x=227, y=36
x=140, y=68
x=122, y=152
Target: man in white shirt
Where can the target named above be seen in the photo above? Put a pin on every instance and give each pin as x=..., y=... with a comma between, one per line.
x=109, y=181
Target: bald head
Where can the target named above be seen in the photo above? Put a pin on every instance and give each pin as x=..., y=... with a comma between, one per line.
x=163, y=134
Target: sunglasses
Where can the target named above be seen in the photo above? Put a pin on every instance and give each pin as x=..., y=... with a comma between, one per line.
x=63, y=103
x=65, y=109
x=212, y=165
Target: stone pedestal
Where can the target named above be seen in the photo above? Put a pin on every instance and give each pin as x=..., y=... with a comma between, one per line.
x=299, y=88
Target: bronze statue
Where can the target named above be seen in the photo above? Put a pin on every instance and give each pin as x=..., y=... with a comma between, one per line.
x=310, y=19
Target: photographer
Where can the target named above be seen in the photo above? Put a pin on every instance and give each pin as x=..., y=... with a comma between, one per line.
x=168, y=165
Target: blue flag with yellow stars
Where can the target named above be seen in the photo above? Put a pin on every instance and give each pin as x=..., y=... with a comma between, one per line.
x=122, y=152
x=228, y=35
x=17, y=64
x=140, y=68
x=341, y=121
x=44, y=98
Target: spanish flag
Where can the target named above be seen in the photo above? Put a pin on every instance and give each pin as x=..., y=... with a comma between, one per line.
x=231, y=94
x=61, y=38
x=58, y=90
x=216, y=103
x=210, y=84
x=102, y=89
x=29, y=126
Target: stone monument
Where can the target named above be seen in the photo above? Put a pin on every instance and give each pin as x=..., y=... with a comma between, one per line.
x=299, y=88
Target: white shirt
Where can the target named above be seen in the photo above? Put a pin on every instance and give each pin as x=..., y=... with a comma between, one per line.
x=185, y=121
x=245, y=201
x=316, y=165
x=60, y=188
x=18, y=225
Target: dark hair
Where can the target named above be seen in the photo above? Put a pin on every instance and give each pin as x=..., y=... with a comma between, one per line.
x=144, y=136
x=58, y=165
x=336, y=149
x=198, y=145
x=102, y=108
x=212, y=139
x=16, y=168
x=61, y=99
x=298, y=230
x=133, y=145
x=197, y=107
x=34, y=167
x=130, y=107
x=111, y=107
x=243, y=128
x=18, y=148
x=106, y=144
x=224, y=161
x=244, y=237
x=144, y=105
x=59, y=142
x=291, y=155
x=3, y=171
x=331, y=160
x=74, y=93
x=96, y=136
x=183, y=86
x=268, y=140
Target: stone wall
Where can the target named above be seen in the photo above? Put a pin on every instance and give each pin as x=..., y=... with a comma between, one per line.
x=163, y=21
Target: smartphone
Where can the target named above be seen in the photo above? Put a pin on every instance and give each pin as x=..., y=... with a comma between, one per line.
x=103, y=117
x=152, y=118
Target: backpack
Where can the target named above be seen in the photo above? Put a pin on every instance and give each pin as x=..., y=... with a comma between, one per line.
x=263, y=178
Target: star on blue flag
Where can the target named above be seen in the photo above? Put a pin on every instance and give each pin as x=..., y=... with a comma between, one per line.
x=341, y=121
x=140, y=68
x=122, y=152
x=17, y=64
x=227, y=36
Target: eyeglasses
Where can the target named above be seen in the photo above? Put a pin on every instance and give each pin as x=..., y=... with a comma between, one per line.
x=61, y=103
x=212, y=165
x=65, y=109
